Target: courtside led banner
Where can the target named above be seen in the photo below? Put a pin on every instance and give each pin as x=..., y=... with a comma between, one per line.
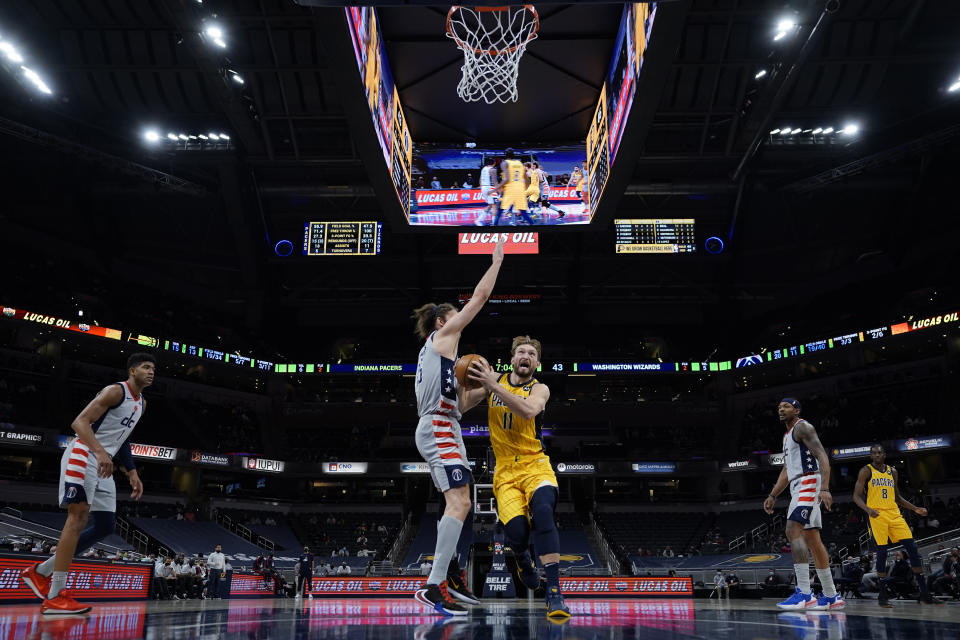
x=387, y=586
x=121, y=621
x=61, y=323
x=485, y=243
x=632, y=587
x=86, y=580
x=250, y=585
x=153, y=451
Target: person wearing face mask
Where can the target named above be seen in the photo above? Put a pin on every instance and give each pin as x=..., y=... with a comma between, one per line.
x=305, y=574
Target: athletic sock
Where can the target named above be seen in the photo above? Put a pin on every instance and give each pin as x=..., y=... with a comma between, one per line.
x=57, y=582
x=447, y=535
x=803, y=577
x=453, y=569
x=46, y=567
x=552, y=571
x=921, y=582
x=826, y=581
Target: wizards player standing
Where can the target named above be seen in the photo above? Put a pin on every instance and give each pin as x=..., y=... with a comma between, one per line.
x=103, y=431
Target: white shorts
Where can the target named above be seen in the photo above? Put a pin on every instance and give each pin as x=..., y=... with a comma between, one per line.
x=440, y=443
x=79, y=481
x=805, y=501
x=489, y=195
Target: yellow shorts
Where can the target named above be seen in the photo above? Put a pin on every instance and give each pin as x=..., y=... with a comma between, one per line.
x=533, y=193
x=889, y=526
x=515, y=482
x=515, y=198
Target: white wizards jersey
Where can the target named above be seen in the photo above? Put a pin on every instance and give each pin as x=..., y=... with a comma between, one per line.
x=436, y=385
x=486, y=177
x=797, y=458
x=114, y=427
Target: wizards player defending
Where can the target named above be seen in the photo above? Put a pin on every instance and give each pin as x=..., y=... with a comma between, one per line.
x=438, y=436
x=882, y=485
x=103, y=430
x=806, y=469
x=524, y=484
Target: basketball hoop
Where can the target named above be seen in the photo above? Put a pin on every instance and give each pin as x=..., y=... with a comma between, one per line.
x=493, y=40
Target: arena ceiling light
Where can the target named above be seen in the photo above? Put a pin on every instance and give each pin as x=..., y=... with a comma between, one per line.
x=954, y=87
x=153, y=136
x=784, y=28
x=235, y=76
x=215, y=33
x=760, y=74
x=37, y=81
x=850, y=129
x=10, y=52
x=186, y=141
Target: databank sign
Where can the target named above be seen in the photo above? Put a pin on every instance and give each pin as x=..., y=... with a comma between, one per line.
x=199, y=457
x=344, y=467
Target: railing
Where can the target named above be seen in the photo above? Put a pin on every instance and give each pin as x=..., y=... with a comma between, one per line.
x=244, y=532
x=613, y=565
x=403, y=536
x=140, y=542
x=739, y=543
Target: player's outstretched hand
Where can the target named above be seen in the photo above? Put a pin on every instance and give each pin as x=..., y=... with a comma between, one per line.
x=498, y=250
x=482, y=374
x=104, y=464
x=827, y=499
x=768, y=504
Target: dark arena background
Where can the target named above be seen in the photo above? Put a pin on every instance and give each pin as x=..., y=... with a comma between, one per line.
x=741, y=202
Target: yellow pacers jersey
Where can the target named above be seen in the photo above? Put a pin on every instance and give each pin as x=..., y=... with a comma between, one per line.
x=515, y=177
x=510, y=434
x=880, y=489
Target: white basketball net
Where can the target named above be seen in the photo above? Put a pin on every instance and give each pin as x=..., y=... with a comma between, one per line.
x=493, y=39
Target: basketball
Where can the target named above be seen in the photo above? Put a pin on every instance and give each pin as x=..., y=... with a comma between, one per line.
x=463, y=366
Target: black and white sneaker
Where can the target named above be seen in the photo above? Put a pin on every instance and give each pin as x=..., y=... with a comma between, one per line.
x=528, y=572
x=435, y=597
x=458, y=589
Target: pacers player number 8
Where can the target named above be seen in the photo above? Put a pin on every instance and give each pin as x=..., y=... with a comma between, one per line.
x=883, y=493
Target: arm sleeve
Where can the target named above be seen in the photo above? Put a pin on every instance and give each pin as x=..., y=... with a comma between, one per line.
x=126, y=456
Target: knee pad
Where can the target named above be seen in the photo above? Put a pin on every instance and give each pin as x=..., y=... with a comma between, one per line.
x=546, y=539
x=517, y=532
x=881, y=558
x=912, y=551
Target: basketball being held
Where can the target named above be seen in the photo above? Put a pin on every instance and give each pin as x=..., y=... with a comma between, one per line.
x=462, y=368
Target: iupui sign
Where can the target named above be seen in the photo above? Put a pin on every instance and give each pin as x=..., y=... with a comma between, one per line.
x=153, y=451
x=484, y=243
x=9, y=434
x=629, y=587
x=263, y=464
x=923, y=443
x=345, y=467
x=576, y=467
x=86, y=580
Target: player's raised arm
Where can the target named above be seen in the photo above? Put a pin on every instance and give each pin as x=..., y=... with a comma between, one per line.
x=108, y=397
x=481, y=294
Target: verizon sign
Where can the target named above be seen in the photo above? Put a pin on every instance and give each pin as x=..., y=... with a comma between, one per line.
x=263, y=464
x=153, y=451
x=484, y=243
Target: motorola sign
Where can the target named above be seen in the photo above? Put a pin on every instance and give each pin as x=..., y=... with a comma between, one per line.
x=576, y=467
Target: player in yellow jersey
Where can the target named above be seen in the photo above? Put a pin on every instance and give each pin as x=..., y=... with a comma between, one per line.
x=533, y=185
x=882, y=485
x=514, y=188
x=524, y=483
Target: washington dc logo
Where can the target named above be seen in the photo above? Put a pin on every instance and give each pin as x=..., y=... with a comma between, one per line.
x=457, y=475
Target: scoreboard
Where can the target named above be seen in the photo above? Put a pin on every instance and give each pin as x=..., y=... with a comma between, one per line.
x=655, y=235
x=598, y=155
x=341, y=238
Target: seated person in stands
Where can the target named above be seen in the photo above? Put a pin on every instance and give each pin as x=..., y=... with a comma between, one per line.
x=851, y=580
x=771, y=582
x=947, y=584
x=344, y=569
x=733, y=582
x=900, y=581
x=719, y=584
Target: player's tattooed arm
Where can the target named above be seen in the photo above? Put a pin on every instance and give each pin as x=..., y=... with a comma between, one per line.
x=862, y=479
x=808, y=435
x=903, y=502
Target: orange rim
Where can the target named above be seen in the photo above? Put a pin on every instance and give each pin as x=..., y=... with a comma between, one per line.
x=494, y=52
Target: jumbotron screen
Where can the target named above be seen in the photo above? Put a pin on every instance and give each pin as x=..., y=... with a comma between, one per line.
x=452, y=186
